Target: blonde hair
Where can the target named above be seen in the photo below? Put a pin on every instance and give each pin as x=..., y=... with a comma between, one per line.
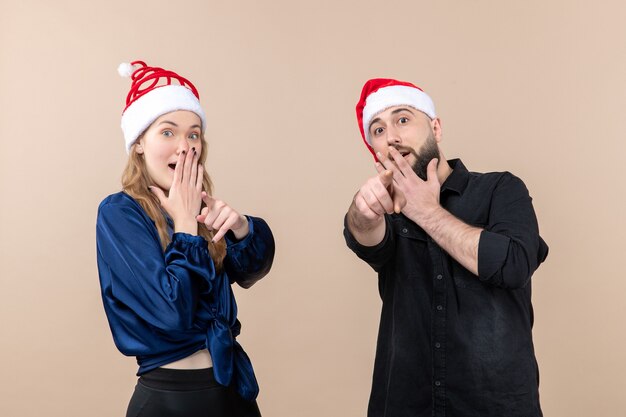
x=135, y=182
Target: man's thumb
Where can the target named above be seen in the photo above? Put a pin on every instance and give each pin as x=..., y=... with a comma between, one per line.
x=431, y=170
x=399, y=201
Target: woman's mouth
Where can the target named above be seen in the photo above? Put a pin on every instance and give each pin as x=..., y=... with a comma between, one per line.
x=172, y=166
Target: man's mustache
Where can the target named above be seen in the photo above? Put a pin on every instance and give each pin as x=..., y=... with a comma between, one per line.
x=405, y=149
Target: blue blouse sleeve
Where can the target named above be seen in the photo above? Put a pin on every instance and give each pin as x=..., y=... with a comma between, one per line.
x=161, y=287
x=250, y=259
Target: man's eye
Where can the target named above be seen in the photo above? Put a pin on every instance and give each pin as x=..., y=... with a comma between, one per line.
x=403, y=120
x=378, y=130
x=167, y=133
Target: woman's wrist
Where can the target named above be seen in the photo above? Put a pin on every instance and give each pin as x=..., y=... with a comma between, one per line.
x=243, y=230
x=189, y=226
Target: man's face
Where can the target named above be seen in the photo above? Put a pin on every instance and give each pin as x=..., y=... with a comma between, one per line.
x=411, y=132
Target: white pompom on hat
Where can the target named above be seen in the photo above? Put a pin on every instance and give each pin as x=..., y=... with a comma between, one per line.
x=379, y=94
x=152, y=95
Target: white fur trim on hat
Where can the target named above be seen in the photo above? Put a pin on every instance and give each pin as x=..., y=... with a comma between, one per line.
x=395, y=95
x=149, y=107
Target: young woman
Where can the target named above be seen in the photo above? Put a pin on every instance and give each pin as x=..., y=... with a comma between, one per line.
x=168, y=252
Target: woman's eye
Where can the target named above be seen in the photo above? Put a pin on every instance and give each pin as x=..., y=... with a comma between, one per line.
x=167, y=133
x=403, y=120
x=194, y=136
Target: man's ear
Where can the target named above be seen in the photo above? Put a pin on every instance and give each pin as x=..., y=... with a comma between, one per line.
x=435, y=124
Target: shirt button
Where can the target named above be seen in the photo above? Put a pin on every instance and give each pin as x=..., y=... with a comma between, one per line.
x=439, y=276
x=439, y=307
x=405, y=230
x=437, y=345
x=437, y=383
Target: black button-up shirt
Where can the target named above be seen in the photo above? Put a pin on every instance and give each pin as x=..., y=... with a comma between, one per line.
x=451, y=343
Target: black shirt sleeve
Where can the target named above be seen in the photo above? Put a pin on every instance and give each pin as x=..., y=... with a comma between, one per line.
x=510, y=248
x=378, y=255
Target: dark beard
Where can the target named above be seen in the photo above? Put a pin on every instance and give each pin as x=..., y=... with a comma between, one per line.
x=428, y=151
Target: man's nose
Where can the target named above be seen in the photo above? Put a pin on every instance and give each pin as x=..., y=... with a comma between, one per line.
x=393, y=136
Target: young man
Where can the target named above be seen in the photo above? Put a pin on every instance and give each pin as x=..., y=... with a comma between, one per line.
x=454, y=251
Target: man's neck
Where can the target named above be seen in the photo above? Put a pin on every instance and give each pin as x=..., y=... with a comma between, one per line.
x=443, y=170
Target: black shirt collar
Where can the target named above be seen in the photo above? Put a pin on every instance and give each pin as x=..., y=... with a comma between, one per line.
x=458, y=179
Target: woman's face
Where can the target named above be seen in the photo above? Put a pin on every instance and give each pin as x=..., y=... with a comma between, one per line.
x=164, y=140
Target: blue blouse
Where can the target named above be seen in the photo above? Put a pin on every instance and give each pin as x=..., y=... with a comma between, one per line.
x=164, y=306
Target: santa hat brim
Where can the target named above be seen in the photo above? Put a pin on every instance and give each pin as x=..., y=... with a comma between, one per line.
x=152, y=105
x=395, y=95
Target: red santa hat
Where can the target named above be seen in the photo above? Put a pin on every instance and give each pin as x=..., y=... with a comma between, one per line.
x=379, y=94
x=153, y=94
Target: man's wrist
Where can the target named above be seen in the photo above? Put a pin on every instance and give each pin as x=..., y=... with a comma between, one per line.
x=429, y=215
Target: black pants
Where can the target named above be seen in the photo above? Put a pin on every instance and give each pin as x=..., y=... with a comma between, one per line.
x=189, y=393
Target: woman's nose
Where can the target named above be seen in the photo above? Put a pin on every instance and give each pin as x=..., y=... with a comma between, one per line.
x=183, y=145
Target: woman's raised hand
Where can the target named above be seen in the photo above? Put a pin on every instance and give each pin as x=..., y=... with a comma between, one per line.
x=219, y=216
x=184, y=199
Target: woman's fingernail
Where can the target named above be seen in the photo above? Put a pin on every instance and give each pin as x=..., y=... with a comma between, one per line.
x=183, y=152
